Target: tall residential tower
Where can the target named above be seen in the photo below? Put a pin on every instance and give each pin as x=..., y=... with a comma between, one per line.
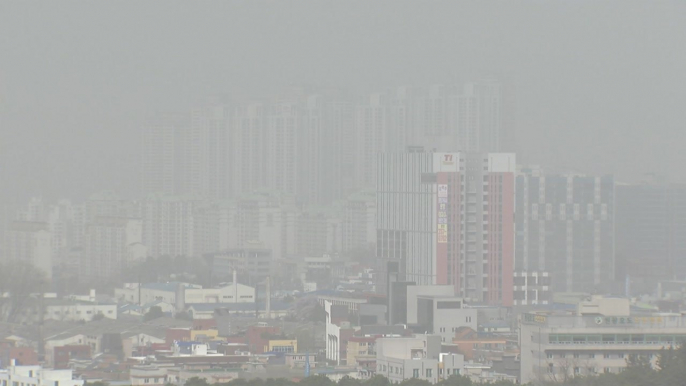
x=448, y=218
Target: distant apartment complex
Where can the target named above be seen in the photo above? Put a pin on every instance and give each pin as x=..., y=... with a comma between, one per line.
x=651, y=219
x=565, y=227
x=318, y=145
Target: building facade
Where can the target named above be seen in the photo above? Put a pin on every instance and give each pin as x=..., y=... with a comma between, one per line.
x=559, y=347
x=651, y=217
x=448, y=218
x=566, y=226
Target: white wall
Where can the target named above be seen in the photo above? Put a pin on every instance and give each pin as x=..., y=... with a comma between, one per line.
x=419, y=290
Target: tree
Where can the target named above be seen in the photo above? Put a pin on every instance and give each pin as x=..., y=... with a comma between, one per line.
x=377, y=380
x=348, y=381
x=98, y=316
x=305, y=339
x=415, y=382
x=18, y=281
x=196, y=381
x=456, y=380
x=96, y=383
x=154, y=313
x=183, y=315
x=317, y=380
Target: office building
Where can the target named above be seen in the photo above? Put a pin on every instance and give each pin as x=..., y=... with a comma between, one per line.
x=448, y=218
x=565, y=226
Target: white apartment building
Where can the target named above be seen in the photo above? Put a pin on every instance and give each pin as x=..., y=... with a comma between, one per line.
x=168, y=225
x=161, y=155
x=359, y=221
x=111, y=245
x=37, y=376
x=418, y=357
x=319, y=231
x=31, y=242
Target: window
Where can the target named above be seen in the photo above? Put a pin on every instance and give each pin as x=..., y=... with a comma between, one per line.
x=428, y=373
x=415, y=373
x=550, y=368
x=550, y=356
x=607, y=370
x=577, y=370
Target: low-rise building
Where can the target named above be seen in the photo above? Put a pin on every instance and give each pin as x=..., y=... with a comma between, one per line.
x=443, y=315
x=148, y=376
x=360, y=349
x=36, y=375
x=418, y=357
x=558, y=346
x=300, y=360
x=281, y=346
x=74, y=311
x=475, y=346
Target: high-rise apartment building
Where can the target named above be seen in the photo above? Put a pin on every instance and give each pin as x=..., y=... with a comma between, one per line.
x=359, y=221
x=30, y=242
x=565, y=226
x=208, y=171
x=161, y=154
x=651, y=221
x=467, y=118
x=371, y=125
x=189, y=154
x=448, y=218
x=168, y=225
x=112, y=244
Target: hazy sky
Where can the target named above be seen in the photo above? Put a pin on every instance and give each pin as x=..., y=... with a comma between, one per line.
x=601, y=86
